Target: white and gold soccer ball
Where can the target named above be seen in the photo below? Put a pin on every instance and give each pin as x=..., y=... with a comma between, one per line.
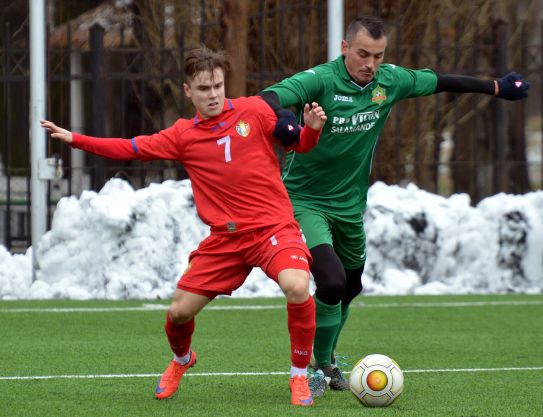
x=376, y=380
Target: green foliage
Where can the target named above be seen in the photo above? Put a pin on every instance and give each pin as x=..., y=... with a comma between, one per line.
x=424, y=334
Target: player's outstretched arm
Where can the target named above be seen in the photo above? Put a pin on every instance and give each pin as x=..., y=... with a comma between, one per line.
x=314, y=116
x=510, y=87
x=113, y=148
x=57, y=132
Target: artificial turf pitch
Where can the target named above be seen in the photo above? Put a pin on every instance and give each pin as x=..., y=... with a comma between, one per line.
x=477, y=356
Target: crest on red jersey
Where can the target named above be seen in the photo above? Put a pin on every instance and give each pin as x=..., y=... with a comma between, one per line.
x=243, y=128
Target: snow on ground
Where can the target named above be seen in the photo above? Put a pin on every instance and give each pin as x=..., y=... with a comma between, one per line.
x=123, y=243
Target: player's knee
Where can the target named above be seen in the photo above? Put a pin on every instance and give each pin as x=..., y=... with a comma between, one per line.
x=330, y=286
x=355, y=289
x=354, y=284
x=331, y=292
x=351, y=292
x=336, y=287
x=295, y=285
x=181, y=313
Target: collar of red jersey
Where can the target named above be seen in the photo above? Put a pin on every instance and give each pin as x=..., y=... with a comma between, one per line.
x=227, y=106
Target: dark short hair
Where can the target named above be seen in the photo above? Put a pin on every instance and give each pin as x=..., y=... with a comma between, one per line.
x=204, y=59
x=373, y=25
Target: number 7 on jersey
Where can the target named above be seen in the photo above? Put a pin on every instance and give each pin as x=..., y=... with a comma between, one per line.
x=226, y=142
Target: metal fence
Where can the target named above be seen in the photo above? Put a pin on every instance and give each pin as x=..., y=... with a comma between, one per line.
x=124, y=90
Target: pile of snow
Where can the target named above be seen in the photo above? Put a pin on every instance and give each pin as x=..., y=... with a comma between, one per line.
x=421, y=243
x=123, y=243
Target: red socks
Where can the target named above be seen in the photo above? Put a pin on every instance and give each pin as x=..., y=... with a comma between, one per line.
x=179, y=335
x=301, y=327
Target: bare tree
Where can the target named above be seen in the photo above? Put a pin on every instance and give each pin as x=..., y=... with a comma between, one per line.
x=235, y=27
x=270, y=40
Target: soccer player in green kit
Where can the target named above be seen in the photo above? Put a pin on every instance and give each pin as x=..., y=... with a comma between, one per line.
x=328, y=186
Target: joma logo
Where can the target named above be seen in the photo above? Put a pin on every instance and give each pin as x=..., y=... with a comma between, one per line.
x=343, y=98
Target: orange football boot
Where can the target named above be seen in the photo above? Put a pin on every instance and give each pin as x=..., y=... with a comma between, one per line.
x=169, y=382
x=300, y=393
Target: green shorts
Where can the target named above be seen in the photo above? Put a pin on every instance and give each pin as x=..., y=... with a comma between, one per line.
x=344, y=233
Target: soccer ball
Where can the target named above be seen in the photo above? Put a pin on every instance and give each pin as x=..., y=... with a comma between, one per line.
x=376, y=381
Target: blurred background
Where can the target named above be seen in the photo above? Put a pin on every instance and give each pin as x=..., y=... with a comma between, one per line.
x=115, y=68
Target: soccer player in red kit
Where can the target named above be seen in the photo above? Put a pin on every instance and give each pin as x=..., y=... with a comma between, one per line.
x=227, y=151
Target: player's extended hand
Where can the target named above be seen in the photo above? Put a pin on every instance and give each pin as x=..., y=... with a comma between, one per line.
x=314, y=116
x=287, y=131
x=57, y=132
x=512, y=87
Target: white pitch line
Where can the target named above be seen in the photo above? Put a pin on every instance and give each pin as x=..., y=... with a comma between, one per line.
x=157, y=307
x=80, y=309
x=212, y=374
x=421, y=371
x=449, y=304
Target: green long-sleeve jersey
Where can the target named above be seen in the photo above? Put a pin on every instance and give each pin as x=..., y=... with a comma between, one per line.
x=334, y=176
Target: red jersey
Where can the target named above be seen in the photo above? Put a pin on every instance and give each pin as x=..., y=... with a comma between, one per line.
x=230, y=160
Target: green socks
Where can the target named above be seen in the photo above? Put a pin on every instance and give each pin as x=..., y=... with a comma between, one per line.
x=344, y=316
x=329, y=322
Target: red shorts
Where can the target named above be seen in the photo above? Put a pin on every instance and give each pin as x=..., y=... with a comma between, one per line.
x=223, y=261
